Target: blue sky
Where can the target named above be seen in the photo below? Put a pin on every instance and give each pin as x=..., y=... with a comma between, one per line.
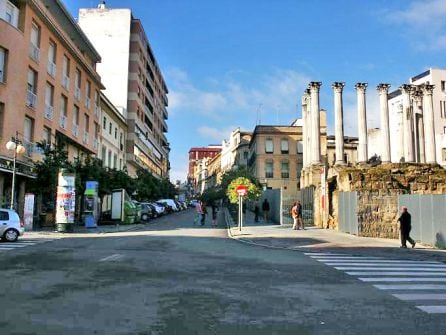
x=229, y=62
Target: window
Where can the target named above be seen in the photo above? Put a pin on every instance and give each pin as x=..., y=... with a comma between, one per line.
x=87, y=94
x=110, y=127
x=443, y=154
x=442, y=109
x=109, y=158
x=269, y=166
x=284, y=146
x=28, y=131
x=2, y=116
x=52, y=59
x=87, y=123
x=66, y=72
x=115, y=161
x=443, y=85
x=49, y=101
x=35, y=42
x=269, y=146
x=3, y=59
x=10, y=14
x=31, y=97
x=46, y=135
x=285, y=169
x=77, y=84
x=63, y=111
x=76, y=115
x=104, y=123
x=104, y=155
x=116, y=133
x=444, y=130
x=4, y=216
x=97, y=130
x=300, y=147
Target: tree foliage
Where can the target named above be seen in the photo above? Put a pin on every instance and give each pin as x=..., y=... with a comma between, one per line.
x=254, y=190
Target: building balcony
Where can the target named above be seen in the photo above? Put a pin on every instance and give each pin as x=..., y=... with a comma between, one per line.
x=29, y=148
x=77, y=93
x=34, y=52
x=31, y=99
x=75, y=130
x=49, y=112
x=85, y=139
x=165, y=100
x=66, y=82
x=51, y=69
x=63, y=121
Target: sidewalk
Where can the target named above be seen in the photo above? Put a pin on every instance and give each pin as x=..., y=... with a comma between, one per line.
x=82, y=231
x=314, y=239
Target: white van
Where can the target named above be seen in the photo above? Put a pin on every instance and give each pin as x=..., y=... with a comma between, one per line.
x=171, y=203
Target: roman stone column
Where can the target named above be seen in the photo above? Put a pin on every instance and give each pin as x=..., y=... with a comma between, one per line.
x=362, y=122
x=406, y=91
x=429, y=130
x=339, y=125
x=383, y=90
x=305, y=129
x=315, y=123
x=419, y=126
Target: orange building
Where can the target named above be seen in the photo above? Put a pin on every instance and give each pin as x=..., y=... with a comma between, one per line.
x=49, y=87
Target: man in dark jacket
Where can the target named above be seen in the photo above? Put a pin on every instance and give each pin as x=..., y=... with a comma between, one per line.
x=405, y=227
x=265, y=210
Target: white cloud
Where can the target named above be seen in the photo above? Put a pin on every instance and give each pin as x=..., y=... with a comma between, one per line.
x=215, y=134
x=423, y=22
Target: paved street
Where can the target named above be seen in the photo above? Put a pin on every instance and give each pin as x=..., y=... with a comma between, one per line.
x=171, y=277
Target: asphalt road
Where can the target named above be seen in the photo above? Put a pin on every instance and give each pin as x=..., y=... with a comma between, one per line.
x=174, y=278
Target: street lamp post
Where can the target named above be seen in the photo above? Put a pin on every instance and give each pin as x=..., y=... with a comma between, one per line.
x=14, y=144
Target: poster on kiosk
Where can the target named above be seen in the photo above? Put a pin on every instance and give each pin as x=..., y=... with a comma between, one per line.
x=65, y=201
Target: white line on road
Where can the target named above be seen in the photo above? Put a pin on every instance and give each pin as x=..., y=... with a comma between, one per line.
x=410, y=287
x=437, y=266
x=111, y=258
x=406, y=268
x=399, y=279
x=421, y=296
x=433, y=309
x=378, y=261
x=395, y=273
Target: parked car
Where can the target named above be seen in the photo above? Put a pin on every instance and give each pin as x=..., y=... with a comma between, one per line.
x=171, y=203
x=167, y=209
x=159, y=210
x=146, y=212
x=11, y=227
x=179, y=205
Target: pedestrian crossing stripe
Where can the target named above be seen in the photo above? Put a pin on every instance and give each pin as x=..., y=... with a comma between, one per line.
x=5, y=246
x=419, y=282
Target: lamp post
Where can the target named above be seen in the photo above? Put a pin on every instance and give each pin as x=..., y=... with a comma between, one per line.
x=14, y=144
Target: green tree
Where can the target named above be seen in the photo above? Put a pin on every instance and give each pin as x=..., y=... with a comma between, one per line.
x=254, y=190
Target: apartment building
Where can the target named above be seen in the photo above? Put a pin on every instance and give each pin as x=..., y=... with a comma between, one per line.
x=113, y=130
x=134, y=84
x=196, y=155
x=49, y=87
x=235, y=150
x=275, y=156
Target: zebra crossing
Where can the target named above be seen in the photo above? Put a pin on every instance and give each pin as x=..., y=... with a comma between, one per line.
x=422, y=283
x=5, y=246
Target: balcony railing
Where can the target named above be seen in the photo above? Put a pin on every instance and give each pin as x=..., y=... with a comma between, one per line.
x=31, y=99
x=75, y=130
x=97, y=111
x=63, y=121
x=34, y=52
x=66, y=82
x=52, y=69
x=77, y=93
x=85, y=138
x=49, y=112
x=29, y=148
x=87, y=102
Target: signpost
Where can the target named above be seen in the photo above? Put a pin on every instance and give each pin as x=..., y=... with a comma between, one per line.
x=241, y=190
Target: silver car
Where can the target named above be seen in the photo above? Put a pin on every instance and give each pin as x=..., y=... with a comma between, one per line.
x=11, y=227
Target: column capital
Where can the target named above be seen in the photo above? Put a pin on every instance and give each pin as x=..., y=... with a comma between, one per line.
x=427, y=89
x=314, y=86
x=383, y=88
x=407, y=88
x=361, y=86
x=338, y=86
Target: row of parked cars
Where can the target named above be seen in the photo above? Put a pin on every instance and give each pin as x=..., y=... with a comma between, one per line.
x=154, y=209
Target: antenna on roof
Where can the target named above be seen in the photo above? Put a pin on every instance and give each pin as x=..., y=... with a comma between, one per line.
x=259, y=114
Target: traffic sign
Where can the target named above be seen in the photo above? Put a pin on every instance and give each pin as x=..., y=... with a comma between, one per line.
x=241, y=190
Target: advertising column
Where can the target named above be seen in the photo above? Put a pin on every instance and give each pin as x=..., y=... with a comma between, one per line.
x=65, y=201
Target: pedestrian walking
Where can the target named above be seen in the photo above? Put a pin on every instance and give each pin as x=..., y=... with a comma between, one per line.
x=405, y=227
x=296, y=213
x=256, y=211
x=265, y=209
x=214, y=214
x=203, y=212
x=198, y=212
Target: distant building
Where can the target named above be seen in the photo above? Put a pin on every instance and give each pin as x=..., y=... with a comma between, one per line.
x=49, y=87
x=196, y=155
x=214, y=172
x=275, y=156
x=350, y=150
x=134, y=84
x=113, y=136
x=235, y=151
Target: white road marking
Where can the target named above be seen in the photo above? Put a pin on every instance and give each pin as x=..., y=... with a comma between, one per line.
x=396, y=273
x=322, y=254
x=377, y=261
x=401, y=280
x=420, y=296
x=407, y=268
x=410, y=287
x=112, y=258
x=433, y=309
